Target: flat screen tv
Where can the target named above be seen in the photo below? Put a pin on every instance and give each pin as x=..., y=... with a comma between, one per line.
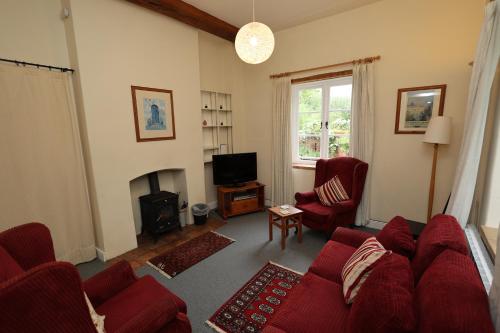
x=234, y=169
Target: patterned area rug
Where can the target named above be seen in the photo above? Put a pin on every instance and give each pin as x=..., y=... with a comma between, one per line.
x=189, y=253
x=251, y=308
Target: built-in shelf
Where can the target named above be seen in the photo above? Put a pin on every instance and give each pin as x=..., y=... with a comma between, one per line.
x=216, y=109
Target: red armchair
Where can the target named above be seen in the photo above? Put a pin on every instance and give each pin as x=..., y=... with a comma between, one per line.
x=352, y=174
x=38, y=294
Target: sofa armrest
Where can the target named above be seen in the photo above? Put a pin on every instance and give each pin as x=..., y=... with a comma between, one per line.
x=350, y=237
x=305, y=197
x=154, y=315
x=46, y=299
x=109, y=282
x=29, y=244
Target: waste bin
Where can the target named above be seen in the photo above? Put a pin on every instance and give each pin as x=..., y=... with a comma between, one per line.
x=200, y=213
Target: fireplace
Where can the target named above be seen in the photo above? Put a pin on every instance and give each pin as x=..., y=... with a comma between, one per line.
x=159, y=209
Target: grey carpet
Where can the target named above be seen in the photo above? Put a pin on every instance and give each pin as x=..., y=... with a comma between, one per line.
x=208, y=284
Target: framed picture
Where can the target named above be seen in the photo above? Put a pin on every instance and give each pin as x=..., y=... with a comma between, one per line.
x=416, y=106
x=153, y=114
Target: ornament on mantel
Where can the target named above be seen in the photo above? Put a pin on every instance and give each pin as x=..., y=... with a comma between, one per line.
x=205, y=123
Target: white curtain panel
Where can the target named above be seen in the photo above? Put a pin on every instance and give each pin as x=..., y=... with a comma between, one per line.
x=362, y=129
x=42, y=171
x=483, y=73
x=282, y=180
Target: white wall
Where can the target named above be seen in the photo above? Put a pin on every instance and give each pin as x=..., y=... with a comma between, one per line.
x=115, y=44
x=222, y=71
x=421, y=42
x=33, y=31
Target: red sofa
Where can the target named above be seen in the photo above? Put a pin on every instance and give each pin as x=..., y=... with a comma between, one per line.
x=38, y=294
x=352, y=174
x=437, y=289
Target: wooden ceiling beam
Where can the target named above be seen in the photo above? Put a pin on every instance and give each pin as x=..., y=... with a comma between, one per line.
x=192, y=16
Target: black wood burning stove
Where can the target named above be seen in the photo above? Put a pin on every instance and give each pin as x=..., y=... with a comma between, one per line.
x=159, y=210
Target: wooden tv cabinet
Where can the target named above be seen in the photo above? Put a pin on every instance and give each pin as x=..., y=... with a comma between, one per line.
x=234, y=201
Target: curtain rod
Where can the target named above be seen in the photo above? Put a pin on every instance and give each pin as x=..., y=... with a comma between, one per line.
x=24, y=63
x=352, y=62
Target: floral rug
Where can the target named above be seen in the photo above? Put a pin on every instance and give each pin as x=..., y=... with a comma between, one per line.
x=252, y=307
x=180, y=258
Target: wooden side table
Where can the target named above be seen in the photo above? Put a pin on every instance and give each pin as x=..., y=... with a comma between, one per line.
x=292, y=218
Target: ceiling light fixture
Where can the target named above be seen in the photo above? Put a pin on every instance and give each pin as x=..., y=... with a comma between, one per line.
x=254, y=42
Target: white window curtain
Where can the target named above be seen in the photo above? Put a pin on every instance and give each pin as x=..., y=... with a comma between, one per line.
x=41, y=169
x=362, y=129
x=282, y=180
x=483, y=73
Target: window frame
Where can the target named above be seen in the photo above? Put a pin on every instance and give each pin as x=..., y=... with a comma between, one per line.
x=325, y=86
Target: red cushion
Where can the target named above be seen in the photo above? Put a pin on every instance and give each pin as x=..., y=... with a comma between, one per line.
x=8, y=266
x=316, y=305
x=330, y=261
x=450, y=297
x=146, y=299
x=441, y=233
x=385, y=303
x=396, y=236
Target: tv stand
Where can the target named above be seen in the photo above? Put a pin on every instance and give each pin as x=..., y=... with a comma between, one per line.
x=247, y=198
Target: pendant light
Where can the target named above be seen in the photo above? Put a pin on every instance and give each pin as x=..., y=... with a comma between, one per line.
x=254, y=42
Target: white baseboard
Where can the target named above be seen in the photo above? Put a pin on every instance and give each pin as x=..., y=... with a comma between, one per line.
x=374, y=224
x=212, y=205
x=101, y=254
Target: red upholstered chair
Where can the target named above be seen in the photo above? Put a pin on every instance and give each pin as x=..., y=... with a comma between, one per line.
x=352, y=174
x=38, y=294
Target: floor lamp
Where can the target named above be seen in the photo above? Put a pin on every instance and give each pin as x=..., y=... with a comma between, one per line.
x=438, y=133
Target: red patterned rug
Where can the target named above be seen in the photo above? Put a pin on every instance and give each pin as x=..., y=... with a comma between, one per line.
x=180, y=258
x=251, y=308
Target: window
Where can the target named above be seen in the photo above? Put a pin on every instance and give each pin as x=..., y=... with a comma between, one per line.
x=321, y=119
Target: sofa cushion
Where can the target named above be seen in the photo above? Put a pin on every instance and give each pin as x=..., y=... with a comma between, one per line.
x=330, y=261
x=357, y=269
x=315, y=211
x=385, y=301
x=152, y=304
x=331, y=192
x=396, y=236
x=441, y=233
x=450, y=297
x=8, y=266
x=315, y=305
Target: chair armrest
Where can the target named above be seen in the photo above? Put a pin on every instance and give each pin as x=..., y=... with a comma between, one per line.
x=359, y=178
x=29, y=244
x=305, y=197
x=46, y=299
x=272, y=329
x=343, y=206
x=350, y=237
x=109, y=282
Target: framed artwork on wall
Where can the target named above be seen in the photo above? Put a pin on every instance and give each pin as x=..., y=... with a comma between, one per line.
x=153, y=114
x=416, y=106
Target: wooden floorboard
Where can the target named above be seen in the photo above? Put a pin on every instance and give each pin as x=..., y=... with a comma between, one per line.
x=148, y=249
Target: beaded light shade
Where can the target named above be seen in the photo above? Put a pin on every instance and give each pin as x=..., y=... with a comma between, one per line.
x=254, y=43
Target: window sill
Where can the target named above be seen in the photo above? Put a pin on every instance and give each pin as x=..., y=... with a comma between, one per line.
x=304, y=166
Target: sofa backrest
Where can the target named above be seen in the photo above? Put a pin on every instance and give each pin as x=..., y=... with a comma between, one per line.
x=9, y=268
x=385, y=301
x=442, y=232
x=450, y=297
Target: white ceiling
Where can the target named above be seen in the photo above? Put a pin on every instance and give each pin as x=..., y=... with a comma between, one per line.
x=277, y=14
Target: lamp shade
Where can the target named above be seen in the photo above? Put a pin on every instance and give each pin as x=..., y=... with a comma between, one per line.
x=438, y=131
x=254, y=43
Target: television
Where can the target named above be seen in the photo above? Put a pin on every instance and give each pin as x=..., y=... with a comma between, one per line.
x=234, y=169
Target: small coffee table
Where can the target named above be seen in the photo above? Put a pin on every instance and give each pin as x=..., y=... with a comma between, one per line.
x=291, y=218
